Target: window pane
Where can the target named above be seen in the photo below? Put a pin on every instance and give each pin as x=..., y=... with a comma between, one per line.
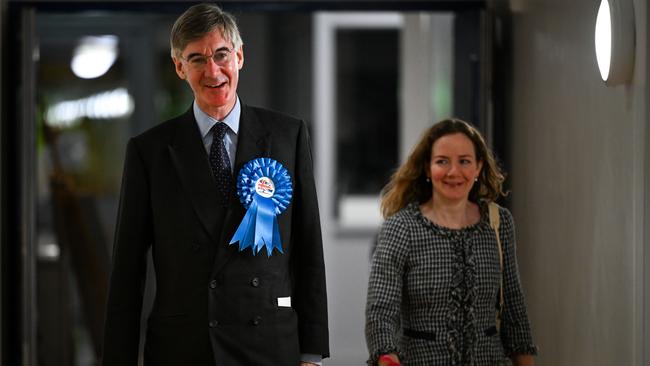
x=367, y=111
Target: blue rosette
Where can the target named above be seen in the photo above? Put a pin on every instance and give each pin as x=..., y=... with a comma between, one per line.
x=264, y=188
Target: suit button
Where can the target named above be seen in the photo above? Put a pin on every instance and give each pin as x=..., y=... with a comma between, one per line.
x=257, y=320
x=213, y=284
x=213, y=323
x=255, y=282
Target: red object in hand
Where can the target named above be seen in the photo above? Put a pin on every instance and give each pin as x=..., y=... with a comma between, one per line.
x=387, y=358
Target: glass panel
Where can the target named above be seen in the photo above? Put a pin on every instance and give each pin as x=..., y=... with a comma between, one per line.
x=367, y=121
x=82, y=124
x=87, y=110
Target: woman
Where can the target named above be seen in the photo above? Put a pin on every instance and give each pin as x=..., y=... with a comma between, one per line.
x=436, y=276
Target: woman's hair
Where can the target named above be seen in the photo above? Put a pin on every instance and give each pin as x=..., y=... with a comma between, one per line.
x=200, y=20
x=409, y=182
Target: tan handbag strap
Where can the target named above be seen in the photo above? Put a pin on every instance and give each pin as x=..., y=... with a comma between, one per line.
x=494, y=223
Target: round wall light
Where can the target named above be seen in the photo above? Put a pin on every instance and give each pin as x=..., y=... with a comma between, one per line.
x=614, y=38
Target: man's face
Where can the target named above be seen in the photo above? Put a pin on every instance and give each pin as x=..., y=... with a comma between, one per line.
x=211, y=66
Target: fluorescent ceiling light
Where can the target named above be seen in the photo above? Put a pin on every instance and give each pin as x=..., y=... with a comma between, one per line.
x=107, y=105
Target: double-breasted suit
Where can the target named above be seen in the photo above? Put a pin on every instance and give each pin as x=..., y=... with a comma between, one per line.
x=214, y=305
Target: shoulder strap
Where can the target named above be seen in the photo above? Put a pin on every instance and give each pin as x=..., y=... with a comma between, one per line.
x=494, y=223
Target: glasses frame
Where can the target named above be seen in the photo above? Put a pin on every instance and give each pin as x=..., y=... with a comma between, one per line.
x=199, y=61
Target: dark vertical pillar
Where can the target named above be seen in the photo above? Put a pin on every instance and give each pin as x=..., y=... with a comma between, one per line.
x=3, y=23
x=467, y=67
x=501, y=85
x=26, y=178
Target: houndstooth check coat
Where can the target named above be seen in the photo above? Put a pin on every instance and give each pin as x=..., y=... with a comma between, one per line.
x=433, y=293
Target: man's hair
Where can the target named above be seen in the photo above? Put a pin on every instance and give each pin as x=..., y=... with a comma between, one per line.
x=200, y=20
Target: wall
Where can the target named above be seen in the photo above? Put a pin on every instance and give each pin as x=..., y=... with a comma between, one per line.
x=578, y=174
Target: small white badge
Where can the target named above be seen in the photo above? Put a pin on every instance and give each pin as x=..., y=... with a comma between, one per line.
x=284, y=302
x=265, y=187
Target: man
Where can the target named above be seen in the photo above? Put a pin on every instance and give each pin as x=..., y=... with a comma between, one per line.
x=215, y=304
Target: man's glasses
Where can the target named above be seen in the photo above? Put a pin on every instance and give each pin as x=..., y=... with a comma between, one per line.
x=220, y=57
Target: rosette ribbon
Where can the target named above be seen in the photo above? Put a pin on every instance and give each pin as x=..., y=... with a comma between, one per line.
x=264, y=188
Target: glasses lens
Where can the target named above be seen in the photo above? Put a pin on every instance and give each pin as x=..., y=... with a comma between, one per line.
x=220, y=58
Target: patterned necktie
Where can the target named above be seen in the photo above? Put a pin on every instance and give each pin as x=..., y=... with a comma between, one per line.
x=220, y=162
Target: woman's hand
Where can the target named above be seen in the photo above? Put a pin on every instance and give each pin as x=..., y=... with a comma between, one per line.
x=390, y=359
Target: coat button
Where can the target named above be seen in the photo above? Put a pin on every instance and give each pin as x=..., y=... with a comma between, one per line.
x=213, y=284
x=213, y=323
x=255, y=282
x=257, y=320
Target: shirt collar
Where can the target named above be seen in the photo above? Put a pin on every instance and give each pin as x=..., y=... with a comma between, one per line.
x=206, y=122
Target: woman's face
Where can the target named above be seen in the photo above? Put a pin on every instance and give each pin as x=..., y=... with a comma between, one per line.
x=453, y=167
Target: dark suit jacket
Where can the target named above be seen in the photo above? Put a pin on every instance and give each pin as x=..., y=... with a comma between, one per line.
x=214, y=305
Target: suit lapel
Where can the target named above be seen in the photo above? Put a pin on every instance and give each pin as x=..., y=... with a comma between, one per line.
x=253, y=141
x=191, y=163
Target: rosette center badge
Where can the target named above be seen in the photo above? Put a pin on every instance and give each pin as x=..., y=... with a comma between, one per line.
x=264, y=188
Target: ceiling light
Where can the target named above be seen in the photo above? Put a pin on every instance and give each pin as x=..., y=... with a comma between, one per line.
x=93, y=56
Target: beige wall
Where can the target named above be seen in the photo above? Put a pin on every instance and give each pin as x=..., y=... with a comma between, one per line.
x=578, y=184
